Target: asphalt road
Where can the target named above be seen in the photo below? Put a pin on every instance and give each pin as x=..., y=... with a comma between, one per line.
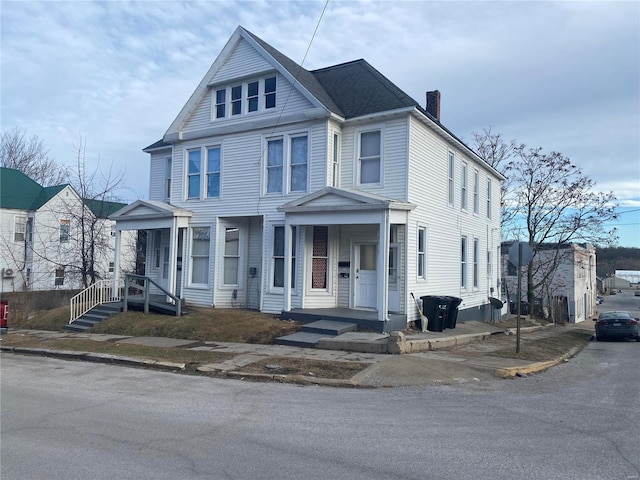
x=72, y=420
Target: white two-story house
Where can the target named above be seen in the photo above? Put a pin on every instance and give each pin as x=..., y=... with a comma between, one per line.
x=43, y=231
x=328, y=192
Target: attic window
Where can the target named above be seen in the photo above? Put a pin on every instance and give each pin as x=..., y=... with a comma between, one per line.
x=243, y=98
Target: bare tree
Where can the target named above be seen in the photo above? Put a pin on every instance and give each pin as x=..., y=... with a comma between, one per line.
x=30, y=157
x=557, y=204
x=499, y=153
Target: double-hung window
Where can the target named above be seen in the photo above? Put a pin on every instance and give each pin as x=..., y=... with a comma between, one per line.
x=452, y=166
x=59, y=276
x=476, y=261
x=275, y=169
x=19, y=228
x=287, y=166
x=488, y=198
x=65, y=230
x=336, y=161
x=370, y=157
x=463, y=262
x=245, y=98
x=167, y=178
x=193, y=174
x=236, y=100
x=476, y=192
x=231, y=255
x=213, y=172
x=252, y=96
x=200, y=242
x=463, y=187
x=299, y=155
x=489, y=264
x=422, y=252
x=279, y=257
x=221, y=103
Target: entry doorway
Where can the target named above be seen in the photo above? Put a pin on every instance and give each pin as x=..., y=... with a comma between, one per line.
x=365, y=281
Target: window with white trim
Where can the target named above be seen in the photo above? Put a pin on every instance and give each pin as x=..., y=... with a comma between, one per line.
x=167, y=178
x=157, y=239
x=422, y=252
x=489, y=264
x=200, y=246
x=231, y=260
x=59, y=276
x=452, y=169
x=19, y=228
x=193, y=174
x=463, y=262
x=213, y=172
x=287, y=163
x=476, y=262
x=488, y=198
x=463, y=187
x=111, y=267
x=278, y=258
x=65, y=230
x=476, y=192
x=369, y=158
x=320, y=257
x=244, y=98
x=336, y=161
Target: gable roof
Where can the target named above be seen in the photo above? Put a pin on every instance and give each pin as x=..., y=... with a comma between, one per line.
x=103, y=208
x=18, y=191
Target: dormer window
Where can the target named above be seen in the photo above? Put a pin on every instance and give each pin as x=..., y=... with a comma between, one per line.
x=244, y=98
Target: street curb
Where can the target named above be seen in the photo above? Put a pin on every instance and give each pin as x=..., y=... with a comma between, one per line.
x=298, y=379
x=512, y=372
x=94, y=357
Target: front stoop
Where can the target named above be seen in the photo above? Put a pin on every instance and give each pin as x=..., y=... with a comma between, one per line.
x=311, y=333
x=93, y=317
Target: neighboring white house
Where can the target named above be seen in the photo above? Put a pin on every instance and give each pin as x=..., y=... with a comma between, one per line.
x=329, y=192
x=40, y=234
x=569, y=294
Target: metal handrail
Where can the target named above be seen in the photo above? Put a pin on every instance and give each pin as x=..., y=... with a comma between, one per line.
x=131, y=281
x=103, y=291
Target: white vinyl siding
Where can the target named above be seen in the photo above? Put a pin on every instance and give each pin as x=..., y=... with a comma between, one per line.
x=463, y=261
x=464, y=191
x=451, y=173
x=476, y=192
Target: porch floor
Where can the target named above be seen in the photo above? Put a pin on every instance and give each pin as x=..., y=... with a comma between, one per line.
x=364, y=319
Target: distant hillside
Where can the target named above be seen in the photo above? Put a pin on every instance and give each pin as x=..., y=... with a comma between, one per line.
x=608, y=260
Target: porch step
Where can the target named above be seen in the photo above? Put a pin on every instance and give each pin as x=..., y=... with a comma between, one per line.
x=93, y=317
x=311, y=333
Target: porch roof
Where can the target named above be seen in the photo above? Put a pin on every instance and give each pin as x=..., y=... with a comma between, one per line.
x=143, y=214
x=340, y=199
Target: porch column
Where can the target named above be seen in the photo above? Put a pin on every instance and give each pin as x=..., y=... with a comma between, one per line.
x=383, y=265
x=173, y=259
x=116, y=261
x=286, y=306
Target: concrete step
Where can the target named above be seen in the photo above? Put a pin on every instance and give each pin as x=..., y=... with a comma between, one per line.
x=329, y=327
x=301, y=339
x=74, y=327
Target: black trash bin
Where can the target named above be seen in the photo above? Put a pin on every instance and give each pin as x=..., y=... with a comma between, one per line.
x=452, y=311
x=435, y=309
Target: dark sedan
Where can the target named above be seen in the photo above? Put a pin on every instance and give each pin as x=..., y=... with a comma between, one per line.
x=617, y=325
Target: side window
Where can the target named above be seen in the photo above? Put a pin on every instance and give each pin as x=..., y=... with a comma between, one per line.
x=451, y=177
x=422, y=252
x=19, y=228
x=488, y=198
x=476, y=262
x=463, y=187
x=65, y=229
x=167, y=178
x=320, y=257
x=463, y=262
x=336, y=161
x=369, y=159
x=59, y=276
x=476, y=192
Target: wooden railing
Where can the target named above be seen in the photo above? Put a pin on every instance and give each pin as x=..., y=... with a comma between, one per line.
x=142, y=284
x=103, y=291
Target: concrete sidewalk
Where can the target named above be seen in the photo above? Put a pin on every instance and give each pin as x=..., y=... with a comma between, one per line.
x=428, y=358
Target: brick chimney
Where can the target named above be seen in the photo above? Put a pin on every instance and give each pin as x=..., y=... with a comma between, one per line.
x=433, y=104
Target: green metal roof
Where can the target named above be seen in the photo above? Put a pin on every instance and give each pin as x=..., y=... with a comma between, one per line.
x=19, y=192
x=103, y=208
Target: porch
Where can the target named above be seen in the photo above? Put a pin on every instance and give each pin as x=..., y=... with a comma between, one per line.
x=364, y=319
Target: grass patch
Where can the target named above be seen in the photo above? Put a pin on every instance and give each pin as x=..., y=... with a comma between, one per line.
x=307, y=367
x=206, y=324
x=544, y=349
x=114, y=348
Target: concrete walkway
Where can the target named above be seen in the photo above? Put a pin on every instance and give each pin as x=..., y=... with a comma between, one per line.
x=428, y=358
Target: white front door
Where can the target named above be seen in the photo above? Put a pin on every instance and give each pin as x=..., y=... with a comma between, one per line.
x=365, y=275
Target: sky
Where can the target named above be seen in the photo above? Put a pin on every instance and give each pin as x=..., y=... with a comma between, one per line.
x=563, y=76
